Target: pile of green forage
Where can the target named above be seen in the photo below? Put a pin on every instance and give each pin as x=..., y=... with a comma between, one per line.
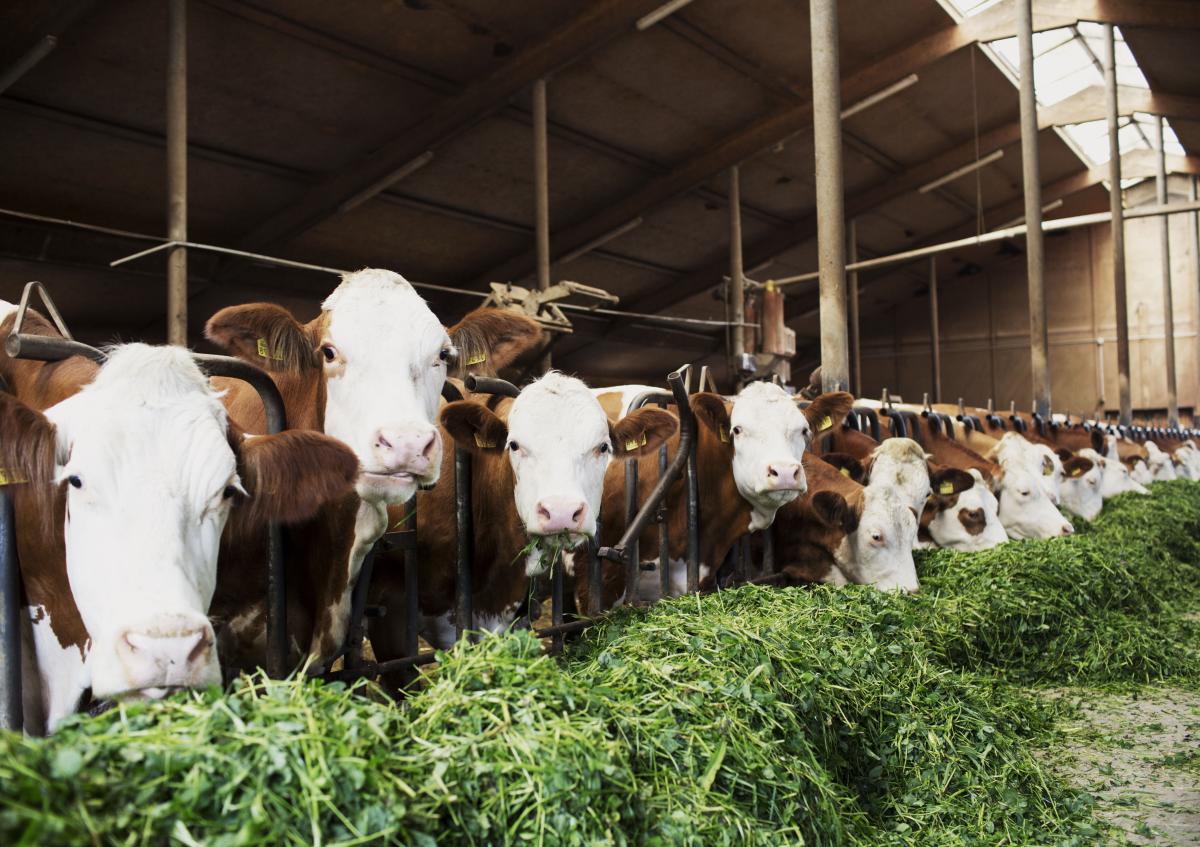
x=753, y=716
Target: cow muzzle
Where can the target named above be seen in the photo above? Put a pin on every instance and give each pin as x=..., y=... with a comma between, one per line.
x=785, y=476
x=560, y=514
x=174, y=652
x=411, y=451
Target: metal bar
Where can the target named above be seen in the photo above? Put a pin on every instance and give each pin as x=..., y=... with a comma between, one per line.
x=737, y=278
x=1117, y=218
x=490, y=385
x=11, y=712
x=855, y=338
x=561, y=629
x=831, y=236
x=541, y=192
x=595, y=579
x=996, y=235
x=963, y=171
x=406, y=170
x=177, y=170
x=670, y=8
x=1160, y=182
x=1039, y=340
x=632, y=558
x=28, y=61
x=1195, y=228
x=412, y=587
x=664, y=541
x=687, y=442
x=768, y=558
x=879, y=96
x=556, y=601
x=464, y=617
x=935, y=346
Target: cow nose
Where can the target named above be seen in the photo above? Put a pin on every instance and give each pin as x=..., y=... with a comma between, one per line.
x=406, y=449
x=1068, y=529
x=783, y=476
x=152, y=659
x=560, y=514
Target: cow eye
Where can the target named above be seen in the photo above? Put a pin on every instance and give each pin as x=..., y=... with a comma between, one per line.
x=1025, y=492
x=514, y=446
x=229, y=491
x=877, y=537
x=603, y=448
x=328, y=351
x=75, y=481
x=444, y=355
x=737, y=430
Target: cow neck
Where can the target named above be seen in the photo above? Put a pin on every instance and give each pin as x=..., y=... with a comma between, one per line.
x=724, y=514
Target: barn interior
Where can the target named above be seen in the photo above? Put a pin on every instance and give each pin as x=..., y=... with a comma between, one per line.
x=401, y=134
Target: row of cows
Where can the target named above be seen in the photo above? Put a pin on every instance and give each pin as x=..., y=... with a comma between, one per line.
x=141, y=488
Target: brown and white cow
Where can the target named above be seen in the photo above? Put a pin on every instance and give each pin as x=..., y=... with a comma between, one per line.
x=368, y=370
x=749, y=453
x=538, y=469
x=122, y=488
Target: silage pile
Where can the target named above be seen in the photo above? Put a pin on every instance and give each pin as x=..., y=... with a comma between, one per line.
x=756, y=716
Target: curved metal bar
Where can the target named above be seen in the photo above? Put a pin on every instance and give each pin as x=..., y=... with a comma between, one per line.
x=57, y=318
x=42, y=348
x=935, y=423
x=872, y=420
x=899, y=428
x=947, y=425
x=1039, y=424
x=1018, y=423
x=490, y=385
x=11, y=716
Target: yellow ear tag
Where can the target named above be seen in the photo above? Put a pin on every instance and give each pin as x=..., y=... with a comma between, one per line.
x=8, y=477
x=633, y=443
x=826, y=423
x=477, y=359
x=265, y=351
x=1076, y=472
x=724, y=434
x=844, y=471
x=946, y=488
x=482, y=443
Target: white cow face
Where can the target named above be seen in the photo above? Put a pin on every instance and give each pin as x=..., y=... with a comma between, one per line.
x=150, y=478
x=901, y=464
x=1115, y=477
x=878, y=551
x=1082, y=487
x=1187, y=461
x=1025, y=509
x=559, y=443
x=967, y=521
x=1038, y=459
x=765, y=435
x=1160, y=464
x=385, y=357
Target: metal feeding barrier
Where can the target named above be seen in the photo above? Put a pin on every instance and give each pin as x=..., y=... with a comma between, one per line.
x=43, y=348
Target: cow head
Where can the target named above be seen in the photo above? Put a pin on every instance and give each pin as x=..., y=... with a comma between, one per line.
x=379, y=358
x=559, y=444
x=879, y=532
x=764, y=434
x=1115, y=477
x=150, y=473
x=901, y=464
x=962, y=513
x=1082, y=485
x=1160, y=464
x=1025, y=508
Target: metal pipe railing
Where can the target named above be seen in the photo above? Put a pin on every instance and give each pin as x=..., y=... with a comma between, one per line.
x=11, y=717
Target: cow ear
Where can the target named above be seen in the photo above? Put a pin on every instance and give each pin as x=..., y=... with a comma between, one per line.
x=949, y=481
x=475, y=427
x=642, y=431
x=1097, y=440
x=290, y=476
x=846, y=465
x=266, y=335
x=834, y=511
x=710, y=410
x=29, y=454
x=828, y=411
x=1077, y=466
x=1065, y=454
x=488, y=339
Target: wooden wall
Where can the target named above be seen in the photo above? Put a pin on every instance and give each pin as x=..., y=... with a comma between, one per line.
x=985, y=324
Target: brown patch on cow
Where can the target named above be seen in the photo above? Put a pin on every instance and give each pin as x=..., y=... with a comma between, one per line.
x=474, y=427
x=809, y=530
x=267, y=335
x=945, y=480
x=827, y=412
x=642, y=431
x=29, y=457
x=612, y=402
x=712, y=411
x=1077, y=466
x=288, y=477
x=1097, y=440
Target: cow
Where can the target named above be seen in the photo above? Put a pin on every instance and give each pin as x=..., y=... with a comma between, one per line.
x=538, y=471
x=122, y=489
x=369, y=371
x=842, y=532
x=749, y=453
x=956, y=509
x=1159, y=463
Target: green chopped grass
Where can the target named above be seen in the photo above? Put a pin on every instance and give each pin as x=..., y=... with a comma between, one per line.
x=753, y=716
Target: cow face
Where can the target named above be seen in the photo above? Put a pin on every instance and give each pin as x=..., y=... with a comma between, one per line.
x=765, y=435
x=150, y=475
x=880, y=533
x=968, y=520
x=1160, y=464
x=1038, y=459
x=1187, y=461
x=559, y=444
x=1115, y=477
x=901, y=464
x=1082, y=492
x=1025, y=509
